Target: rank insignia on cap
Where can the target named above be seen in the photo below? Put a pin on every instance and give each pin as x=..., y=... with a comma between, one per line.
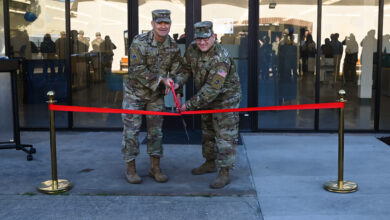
x=222, y=73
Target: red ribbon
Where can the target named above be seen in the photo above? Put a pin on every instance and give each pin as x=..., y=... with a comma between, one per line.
x=69, y=108
x=175, y=98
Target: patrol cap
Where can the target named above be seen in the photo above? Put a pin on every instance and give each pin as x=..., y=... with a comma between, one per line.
x=203, y=29
x=98, y=34
x=161, y=15
x=62, y=33
x=81, y=32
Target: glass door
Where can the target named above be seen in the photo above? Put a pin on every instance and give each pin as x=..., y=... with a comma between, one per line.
x=37, y=37
x=348, y=61
x=230, y=24
x=286, y=63
x=98, y=59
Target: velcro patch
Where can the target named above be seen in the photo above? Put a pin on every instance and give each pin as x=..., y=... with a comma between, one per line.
x=172, y=50
x=135, y=57
x=217, y=81
x=222, y=73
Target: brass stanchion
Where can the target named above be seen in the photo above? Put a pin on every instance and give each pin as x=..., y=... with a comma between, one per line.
x=54, y=185
x=341, y=185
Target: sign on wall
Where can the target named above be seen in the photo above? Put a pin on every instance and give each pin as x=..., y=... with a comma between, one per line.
x=223, y=25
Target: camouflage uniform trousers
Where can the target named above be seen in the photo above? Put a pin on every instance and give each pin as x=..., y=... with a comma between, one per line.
x=219, y=138
x=132, y=124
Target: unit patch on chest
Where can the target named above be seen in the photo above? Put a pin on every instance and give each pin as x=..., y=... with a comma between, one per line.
x=135, y=57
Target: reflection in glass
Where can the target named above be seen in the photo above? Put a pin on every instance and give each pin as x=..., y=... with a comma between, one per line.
x=35, y=29
x=2, y=37
x=98, y=58
x=349, y=63
x=286, y=59
x=384, y=122
x=230, y=24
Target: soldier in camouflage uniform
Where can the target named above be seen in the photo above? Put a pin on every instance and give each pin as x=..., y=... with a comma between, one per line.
x=218, y=87
x=153, y=55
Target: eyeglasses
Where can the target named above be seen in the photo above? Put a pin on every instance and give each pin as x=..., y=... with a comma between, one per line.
x=202, y=40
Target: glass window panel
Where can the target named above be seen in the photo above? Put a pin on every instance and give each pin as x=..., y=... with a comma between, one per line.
x=2, y=43
x=384, y=122
x=347, y=62
x=230, y=23
x=286, y=61
x=35, y=27
x=99, y=62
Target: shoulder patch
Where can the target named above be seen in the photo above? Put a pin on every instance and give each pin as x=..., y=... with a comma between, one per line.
x=222, y=73
x=217, y=81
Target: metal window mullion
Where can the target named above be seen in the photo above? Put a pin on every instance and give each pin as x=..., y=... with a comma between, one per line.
x=318, y=64
x=253, y=47
x=68, y=63
x=379, y=67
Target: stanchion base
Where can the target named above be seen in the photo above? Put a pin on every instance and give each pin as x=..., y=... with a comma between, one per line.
x=348, y=186
x=48, y=187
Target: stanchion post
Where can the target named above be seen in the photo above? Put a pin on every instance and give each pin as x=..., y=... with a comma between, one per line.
x=341, y=185
x=54, y=185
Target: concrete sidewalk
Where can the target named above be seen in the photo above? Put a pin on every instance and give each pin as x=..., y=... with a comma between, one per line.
x=289, y=171
x=277, y=176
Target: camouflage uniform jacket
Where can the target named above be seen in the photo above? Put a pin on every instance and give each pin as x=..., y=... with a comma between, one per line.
x=215, y=78
x=151, y=61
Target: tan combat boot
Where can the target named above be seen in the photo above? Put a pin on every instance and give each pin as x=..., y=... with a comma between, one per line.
x=207, y=167
x=222, y=179
x=131, y=173
x=155, y=170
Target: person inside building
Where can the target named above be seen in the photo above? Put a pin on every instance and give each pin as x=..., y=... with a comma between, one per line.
x=96, y=57
x=351, y=58
x=337, y=48
x=107, y=48
x=48, y=50
x=61, y=51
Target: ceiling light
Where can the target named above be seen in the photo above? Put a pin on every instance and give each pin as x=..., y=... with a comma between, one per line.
x=330, y=2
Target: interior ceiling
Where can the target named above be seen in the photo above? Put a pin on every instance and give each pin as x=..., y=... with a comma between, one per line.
x=244, y=3
x=314, y=2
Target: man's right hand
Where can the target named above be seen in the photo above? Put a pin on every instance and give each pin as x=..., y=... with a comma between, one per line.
x=167, y=82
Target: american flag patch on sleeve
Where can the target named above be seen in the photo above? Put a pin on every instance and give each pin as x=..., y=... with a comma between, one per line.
x=222, y=73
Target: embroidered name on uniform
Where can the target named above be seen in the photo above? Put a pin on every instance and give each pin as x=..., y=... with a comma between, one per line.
x=172, y=50
x=222, y=73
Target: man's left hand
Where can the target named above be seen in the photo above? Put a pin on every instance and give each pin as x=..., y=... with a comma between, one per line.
x=183, y=107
